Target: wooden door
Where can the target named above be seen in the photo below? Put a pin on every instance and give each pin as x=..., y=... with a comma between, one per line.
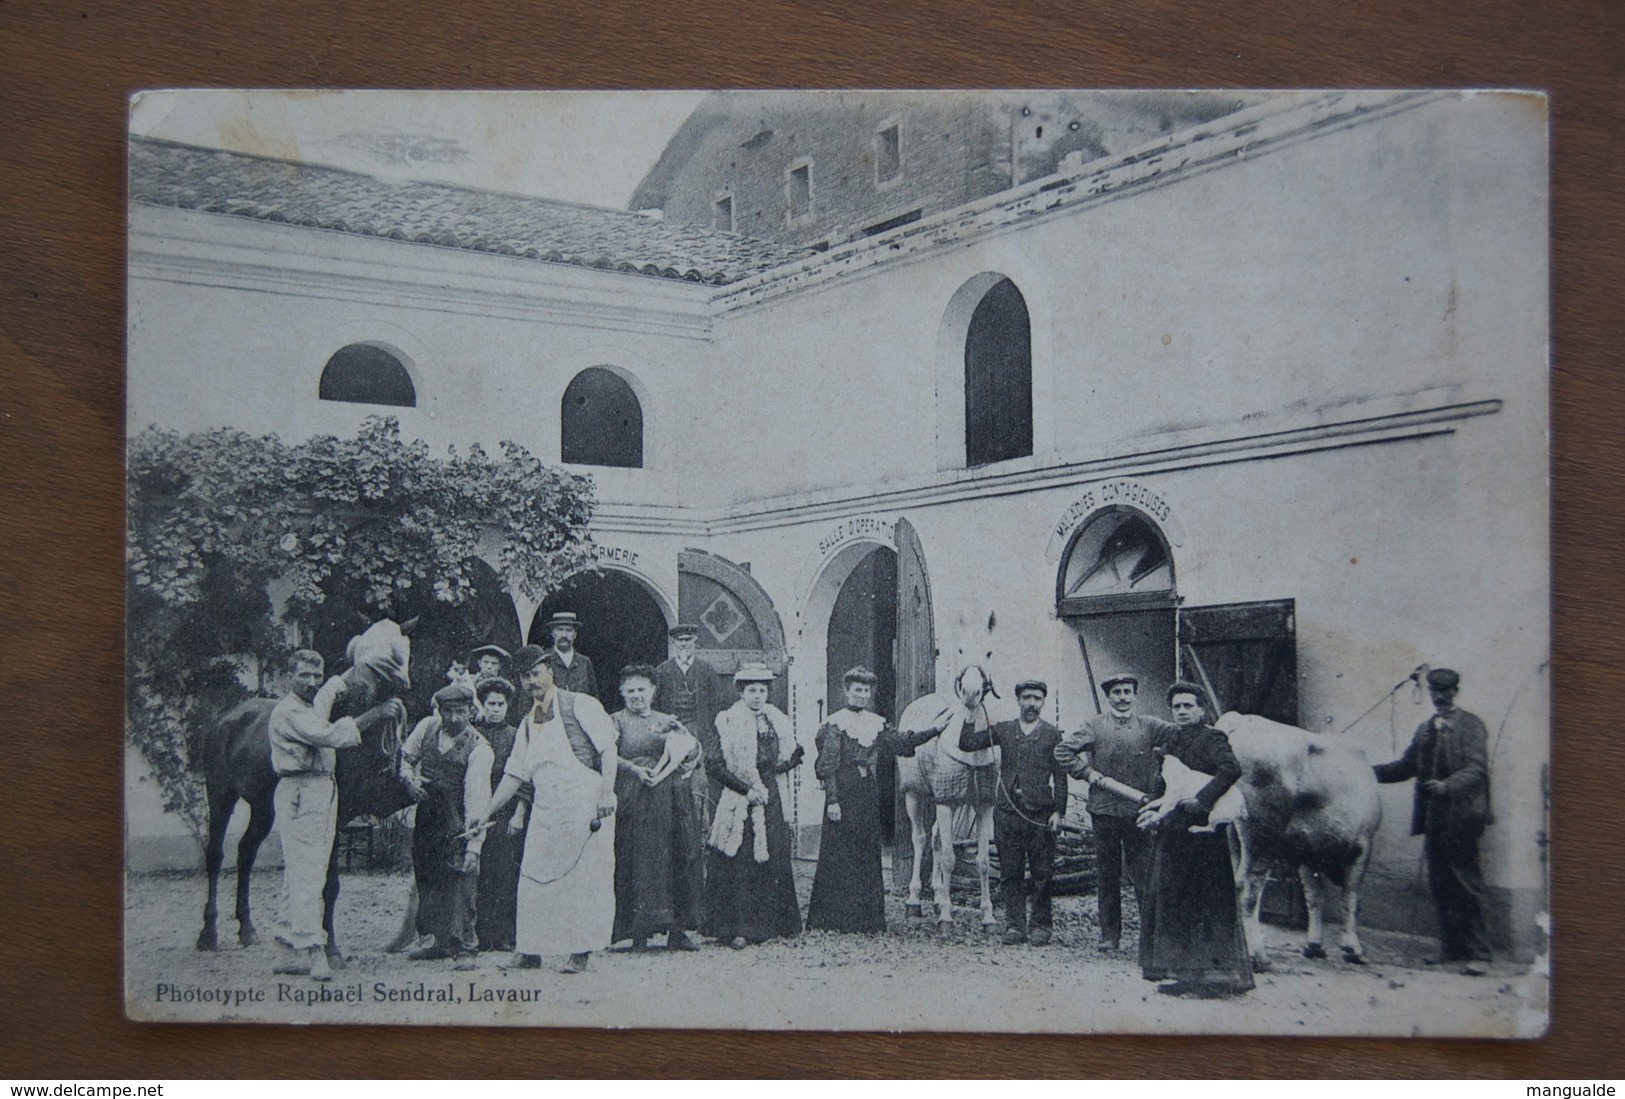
x=1245, y=655
x=736, y=618
x=916, y=639
x=915, y=666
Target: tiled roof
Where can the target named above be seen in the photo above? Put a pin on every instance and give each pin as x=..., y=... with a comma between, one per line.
x=187, y=177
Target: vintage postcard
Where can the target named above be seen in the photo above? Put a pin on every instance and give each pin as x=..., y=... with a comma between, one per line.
x=1058, y=561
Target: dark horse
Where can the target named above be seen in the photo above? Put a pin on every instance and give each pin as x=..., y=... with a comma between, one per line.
x=234, y=756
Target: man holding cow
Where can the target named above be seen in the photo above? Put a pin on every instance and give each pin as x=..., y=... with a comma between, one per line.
x=1448, y=759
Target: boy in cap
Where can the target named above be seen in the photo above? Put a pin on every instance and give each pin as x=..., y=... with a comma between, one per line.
x=1027, y=812
x=447, y=767
x=1449, y=760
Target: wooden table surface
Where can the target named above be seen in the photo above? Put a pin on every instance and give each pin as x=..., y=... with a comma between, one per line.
x=68, y=68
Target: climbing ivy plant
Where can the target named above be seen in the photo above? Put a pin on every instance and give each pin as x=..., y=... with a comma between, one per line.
x=232, y=538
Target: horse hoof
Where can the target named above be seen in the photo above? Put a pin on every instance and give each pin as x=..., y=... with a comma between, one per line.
x=207, y=940
x=913, y=910
x=1314, y=950
x=1353, y=957
x=335, y=959
x=990, y=925
x=248, y=937
x=1261, y=964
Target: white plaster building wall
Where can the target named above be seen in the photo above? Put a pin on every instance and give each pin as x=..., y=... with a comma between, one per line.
x=484, y=369
x=1384, y=266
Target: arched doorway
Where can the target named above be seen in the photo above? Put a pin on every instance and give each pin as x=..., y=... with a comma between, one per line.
x=1116, y=589
x=863, y=630
x=621, y=623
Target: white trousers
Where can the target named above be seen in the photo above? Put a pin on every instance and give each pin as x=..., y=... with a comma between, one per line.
x=307, y=810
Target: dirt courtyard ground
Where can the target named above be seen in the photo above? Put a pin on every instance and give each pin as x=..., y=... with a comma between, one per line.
x=913, y=977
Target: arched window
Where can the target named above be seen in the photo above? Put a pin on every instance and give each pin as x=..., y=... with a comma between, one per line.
x=998, y=378
x=364, y=374
x=601, y=422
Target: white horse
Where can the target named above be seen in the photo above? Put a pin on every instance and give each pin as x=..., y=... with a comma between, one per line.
x=941, y=775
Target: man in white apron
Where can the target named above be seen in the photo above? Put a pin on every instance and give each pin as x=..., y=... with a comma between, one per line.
x=565, y=747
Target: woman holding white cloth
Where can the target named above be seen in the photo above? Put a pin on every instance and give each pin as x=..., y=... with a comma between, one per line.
x=750, y=886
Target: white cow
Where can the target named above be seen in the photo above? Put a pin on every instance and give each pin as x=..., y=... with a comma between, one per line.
x=1306, y=799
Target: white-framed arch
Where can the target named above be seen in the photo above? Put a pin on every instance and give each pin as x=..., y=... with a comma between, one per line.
x=636, y=371
x=979, y=270
x=662, y=593
x=411, y=352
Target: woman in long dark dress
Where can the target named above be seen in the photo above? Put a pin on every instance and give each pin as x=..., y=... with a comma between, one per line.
x=1190, y=923
x=849, y=888
x=499, y=866
x=659, y=875
x=750, y=887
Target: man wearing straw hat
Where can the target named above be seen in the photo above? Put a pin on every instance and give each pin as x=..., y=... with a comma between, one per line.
x=572, y=670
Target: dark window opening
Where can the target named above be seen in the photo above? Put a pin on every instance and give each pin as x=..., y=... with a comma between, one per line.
x=998, y=378
x=888, y=154
x=601, y=422
x=724, y=214
x=892, y=223
x=363, y=374
x=798, y=191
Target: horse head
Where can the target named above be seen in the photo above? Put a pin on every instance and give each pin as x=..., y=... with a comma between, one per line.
x=380, y=658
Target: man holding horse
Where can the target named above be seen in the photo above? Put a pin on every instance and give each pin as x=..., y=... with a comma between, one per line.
x=1031, y=800
x=303, y=746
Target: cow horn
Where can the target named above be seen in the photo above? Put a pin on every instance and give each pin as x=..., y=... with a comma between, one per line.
x=409, y=625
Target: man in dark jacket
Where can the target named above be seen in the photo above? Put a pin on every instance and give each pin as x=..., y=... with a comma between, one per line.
x=1449, y=760
x=1027, y=812
x=572, y=670
x=687, y=687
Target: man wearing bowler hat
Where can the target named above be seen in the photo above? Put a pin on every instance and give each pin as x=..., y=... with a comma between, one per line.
x=572, y=670
x=1117, y=745
x=687, y=688
x=1449, y=760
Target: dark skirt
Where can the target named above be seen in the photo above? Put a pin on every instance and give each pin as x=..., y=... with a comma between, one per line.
x=659, y=875
x=1190, y=925
x=753, y=900
x=849, y=890
x=446, y=895
x=499, y=886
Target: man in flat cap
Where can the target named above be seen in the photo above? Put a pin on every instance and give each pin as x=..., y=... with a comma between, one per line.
x=447, y=767
x=1117, y=745
x=572, y=670
x=1449, y=760
x=1027, y=812
x=687, y=688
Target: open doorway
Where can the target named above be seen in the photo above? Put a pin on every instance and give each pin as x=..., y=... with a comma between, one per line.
x=621, y=623
x=1116, y=589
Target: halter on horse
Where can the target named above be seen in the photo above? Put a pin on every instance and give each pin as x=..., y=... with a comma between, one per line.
x=942, y=775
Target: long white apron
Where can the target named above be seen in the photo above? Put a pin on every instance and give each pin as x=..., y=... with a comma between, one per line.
x=567, y=877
